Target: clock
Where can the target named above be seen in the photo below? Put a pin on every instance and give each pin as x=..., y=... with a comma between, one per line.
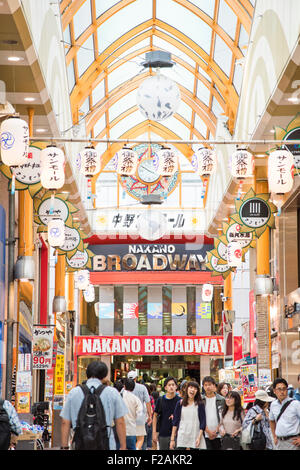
x=146, y=171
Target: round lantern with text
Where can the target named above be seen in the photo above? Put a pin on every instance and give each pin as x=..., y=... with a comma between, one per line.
x=166, y=162
x=89, y=293
x=280, y=171
x=56, y=232
x=52, y=168
x=242, y=164
x=234, y=254
x=127, y=161
x=89, y=162
x=207, y=292
x=158, y=97
x=14, y=139
x=82, y=279
x=204, y=161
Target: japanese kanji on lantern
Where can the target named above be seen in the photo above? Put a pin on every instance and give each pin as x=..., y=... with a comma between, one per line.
x=207, y=292
x=242, y=164
x=56, y=232
x=127, y=161
x=204, y=161
x=280, y=171
x=14, y=139
x=89, y=165
x=234, y=254
x=52, y=170
x=166, y=162
x=82, y=279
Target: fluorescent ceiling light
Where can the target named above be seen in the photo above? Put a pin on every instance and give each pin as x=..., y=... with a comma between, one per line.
x=14, y=58
x=40, y=130
x=293, y=99
x=29, y=98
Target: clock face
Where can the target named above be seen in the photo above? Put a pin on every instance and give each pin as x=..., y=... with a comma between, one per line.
x=146, y=171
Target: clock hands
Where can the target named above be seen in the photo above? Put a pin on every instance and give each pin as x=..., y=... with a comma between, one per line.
x=150, y=171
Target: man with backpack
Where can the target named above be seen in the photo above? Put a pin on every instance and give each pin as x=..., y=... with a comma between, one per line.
x=10, y=426
x=91, y=409
x=285, y=418
x=163, y=414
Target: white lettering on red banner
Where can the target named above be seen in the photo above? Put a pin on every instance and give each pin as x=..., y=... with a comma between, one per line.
x=151, y=345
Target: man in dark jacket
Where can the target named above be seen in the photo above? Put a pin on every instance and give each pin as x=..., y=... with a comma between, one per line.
x=213, y=406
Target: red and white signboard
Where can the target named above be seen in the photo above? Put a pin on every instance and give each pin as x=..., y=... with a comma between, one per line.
x=149, y=345
x=42, y=347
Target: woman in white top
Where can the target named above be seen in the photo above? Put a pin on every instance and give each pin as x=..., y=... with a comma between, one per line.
x=189, y=420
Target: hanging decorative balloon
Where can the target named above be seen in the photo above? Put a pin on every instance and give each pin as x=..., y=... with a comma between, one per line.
x=207, y=292
x=242, y=166
x=14, y=139
x=82, y=279
x=56, y=233
x=89, y=165
x=52, y=170
x=127, y=161
x=158, y=97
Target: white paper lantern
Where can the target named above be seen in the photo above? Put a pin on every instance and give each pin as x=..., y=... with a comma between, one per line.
x=56, y=232
x=89, y=162
x=89, y=294
x=127, y=161
x=242, y=164
x=207, y=292
x=52, y=168
x=14, y=138
x=82, y=279
x=158, y=97
x=280, y=171
x=234, y=254
x=204, y=161
x=166, y=162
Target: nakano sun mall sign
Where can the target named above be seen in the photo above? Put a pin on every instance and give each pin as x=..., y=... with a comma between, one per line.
x=149, y=345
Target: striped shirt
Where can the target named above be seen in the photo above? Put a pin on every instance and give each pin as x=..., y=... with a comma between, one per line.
x=14, y=422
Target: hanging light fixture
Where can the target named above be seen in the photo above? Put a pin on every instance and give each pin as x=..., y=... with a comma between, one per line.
x=166, y=162
x=234, y=254
x=90, y=165
x=158, y=97
x=126, y=161
x=242, y=166
x=204, y=162
x=89, y=293
x=52, y=170
x=207, y=292
x=56, y=233
x=14, y=140
x=280, y=171
x=82, y=279
x=24, y=269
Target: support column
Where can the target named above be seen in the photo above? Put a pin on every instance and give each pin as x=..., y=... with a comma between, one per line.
x=228, y=320
x=263, y=330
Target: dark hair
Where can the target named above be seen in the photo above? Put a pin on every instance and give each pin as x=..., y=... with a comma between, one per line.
x=260, y=403
x=168, y=379
x=238, y=409
x=166, y=375
x=155, y=395
x=221, y=385
x=209, y=379
x=118, y=385
x=97, y=369
x=197, y=398
x=279, y=381
x=129, y=384
x=152, y=388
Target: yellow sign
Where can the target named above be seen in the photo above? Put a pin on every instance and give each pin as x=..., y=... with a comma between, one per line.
x=23, y=402
x=60, y=375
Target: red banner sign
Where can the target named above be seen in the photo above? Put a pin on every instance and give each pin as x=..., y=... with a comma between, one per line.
x=149, y=345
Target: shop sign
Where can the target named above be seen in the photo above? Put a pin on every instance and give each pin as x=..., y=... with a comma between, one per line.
x=148, y=257
x=60, y=375
x=291, y=132
x=23, y=402
x=42, y=347
x=23, y=382
x=150, y=345
x=249, y=382
x=291, y=309
x=255, y=213
x=46, y=210
x=79, y=260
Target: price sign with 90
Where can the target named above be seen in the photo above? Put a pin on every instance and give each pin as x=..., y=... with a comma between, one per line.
x=42, y=348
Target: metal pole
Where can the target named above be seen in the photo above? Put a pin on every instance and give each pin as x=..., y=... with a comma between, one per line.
x=10, y=296
x=166, y=141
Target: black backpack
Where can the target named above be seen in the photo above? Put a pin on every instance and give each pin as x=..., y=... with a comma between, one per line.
x=5, y=430
x=91, y=428
x=259, y=440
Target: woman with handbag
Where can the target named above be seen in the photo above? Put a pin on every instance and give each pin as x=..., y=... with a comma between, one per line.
x=231, y=422
x=189, y=420
x=258, y=416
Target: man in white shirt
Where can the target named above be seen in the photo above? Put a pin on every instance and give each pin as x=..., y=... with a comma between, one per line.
x=286, y=429
x=213, y=407
x=135, y=410
x=141, y=392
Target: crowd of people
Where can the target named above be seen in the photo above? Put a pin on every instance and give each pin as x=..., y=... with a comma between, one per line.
x=184, y=415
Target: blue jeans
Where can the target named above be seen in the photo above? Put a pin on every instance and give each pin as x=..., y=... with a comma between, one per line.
x=148, y=438
x=131, y=442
